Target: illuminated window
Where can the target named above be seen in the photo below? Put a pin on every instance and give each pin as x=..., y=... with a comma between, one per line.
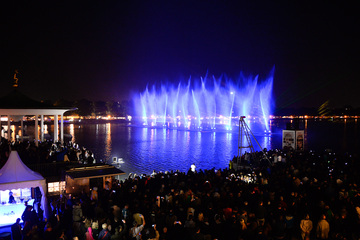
x=56, y=187
x=50, y=187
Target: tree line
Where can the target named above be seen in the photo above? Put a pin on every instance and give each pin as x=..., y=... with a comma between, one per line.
x=85, y=107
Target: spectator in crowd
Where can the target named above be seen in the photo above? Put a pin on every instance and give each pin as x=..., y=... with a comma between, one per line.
x=323, y=228
x=16, y=230
x=104, y=234
x=266, y=200
x=306, y=226
x=135, y=231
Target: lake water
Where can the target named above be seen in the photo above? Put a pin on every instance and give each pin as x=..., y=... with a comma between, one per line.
x=146, y=149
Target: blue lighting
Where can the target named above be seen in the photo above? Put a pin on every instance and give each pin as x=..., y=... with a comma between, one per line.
x=206, y=104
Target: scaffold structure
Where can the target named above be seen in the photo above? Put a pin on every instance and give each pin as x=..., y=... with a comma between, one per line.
x=245, y=141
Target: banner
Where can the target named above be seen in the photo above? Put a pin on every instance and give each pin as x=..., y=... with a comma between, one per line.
x=288, y=139
x=300, y=140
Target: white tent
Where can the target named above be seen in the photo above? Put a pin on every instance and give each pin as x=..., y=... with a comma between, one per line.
x=15, y=174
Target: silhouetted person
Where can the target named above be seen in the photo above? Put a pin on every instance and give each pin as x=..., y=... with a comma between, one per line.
x=49, y=232
x=11, y=198
x=26, y=216
x=16, y=230
x=198, y=235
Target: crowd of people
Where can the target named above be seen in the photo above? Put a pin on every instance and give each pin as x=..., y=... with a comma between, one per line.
x=278, y=195
x=46, y=152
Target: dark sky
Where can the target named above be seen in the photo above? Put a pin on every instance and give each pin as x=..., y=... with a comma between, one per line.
x=103, y=50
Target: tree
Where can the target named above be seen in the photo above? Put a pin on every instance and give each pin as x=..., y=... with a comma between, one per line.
x=83, y=107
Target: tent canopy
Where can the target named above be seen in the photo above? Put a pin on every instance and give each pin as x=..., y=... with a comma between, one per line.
x=15, y=174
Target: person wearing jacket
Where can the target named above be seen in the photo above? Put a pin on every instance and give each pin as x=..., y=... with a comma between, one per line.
x=323, y=228
x=104, y=234
x=77, y=212
x=306, y=226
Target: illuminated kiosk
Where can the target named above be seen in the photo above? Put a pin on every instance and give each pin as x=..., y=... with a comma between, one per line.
x=86, y=177
x=16, y=177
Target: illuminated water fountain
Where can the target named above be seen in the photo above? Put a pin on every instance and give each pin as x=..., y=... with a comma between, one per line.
x=206, y=104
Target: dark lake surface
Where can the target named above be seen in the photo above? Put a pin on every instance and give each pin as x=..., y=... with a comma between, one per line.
x=146, y=149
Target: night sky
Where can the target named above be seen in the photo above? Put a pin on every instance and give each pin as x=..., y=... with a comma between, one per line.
x=106, y=50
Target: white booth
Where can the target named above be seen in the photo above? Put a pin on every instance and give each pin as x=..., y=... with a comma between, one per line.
x=17, y=178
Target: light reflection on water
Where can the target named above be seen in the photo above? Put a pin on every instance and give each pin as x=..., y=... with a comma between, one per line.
x=146, y=149
x=108, y=143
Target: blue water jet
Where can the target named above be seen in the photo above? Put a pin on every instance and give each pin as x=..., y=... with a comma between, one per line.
x=212, y=104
